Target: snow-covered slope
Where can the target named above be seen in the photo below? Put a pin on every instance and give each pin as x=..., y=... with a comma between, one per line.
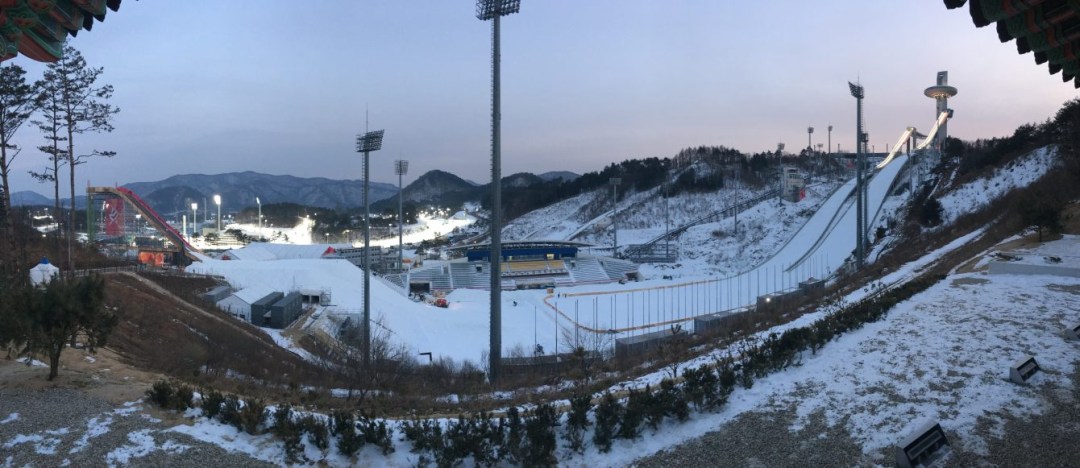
x=977, y=194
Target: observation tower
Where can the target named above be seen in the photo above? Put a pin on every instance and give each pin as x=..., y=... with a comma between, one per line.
x=941, y=92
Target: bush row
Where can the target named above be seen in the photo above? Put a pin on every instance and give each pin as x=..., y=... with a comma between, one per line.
x=251, y=416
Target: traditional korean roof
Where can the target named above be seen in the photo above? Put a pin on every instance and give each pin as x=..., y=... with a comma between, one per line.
x=38, y=28
x=1048, y=28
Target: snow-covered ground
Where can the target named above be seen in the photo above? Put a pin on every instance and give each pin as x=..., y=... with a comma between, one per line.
x=943, y=356
x=790, y=246
x=1018, y=173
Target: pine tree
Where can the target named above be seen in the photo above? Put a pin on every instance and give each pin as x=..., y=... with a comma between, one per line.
x=608, y=414
x=18, y=100
x=60, y=312
x=81, y=107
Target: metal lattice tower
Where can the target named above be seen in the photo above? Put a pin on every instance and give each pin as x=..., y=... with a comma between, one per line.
x=493, y=10
x=366, y=143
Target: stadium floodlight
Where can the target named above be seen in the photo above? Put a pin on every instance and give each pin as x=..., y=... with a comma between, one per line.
x=856, y=90
x=370, y=141
x=401, y=167
x=194, y=218
x=809, y=138
x=493, y=10
x=366, y=143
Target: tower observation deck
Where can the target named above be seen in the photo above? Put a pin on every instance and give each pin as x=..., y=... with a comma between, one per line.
x=941, y=92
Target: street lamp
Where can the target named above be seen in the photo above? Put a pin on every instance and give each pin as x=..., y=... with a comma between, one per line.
x=217, y=201
x=366, y=143
x=493, y=10
x=259, y=202
x=401, y=167
x=615, y=181
x=194, y=218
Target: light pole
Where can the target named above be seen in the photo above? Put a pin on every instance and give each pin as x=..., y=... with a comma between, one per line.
x=366, y=143
x=401, y=167
x=810, y=139
x=217, y=201
x=194, y=218
x=615, y=181
x=860, y=242
x=829, y=138
x=493, y=10
x=259, y=202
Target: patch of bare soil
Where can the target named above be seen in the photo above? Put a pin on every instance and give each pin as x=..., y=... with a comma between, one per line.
x=103, y=374
x=1070, y=218
x=968, y=281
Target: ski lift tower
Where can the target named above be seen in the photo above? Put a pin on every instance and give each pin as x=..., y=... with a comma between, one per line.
x=493, y=10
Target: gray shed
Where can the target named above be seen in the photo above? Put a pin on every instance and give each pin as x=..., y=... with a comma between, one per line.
x=216, y=295
x=260, y=309
x=286, y=310
x=238, y=304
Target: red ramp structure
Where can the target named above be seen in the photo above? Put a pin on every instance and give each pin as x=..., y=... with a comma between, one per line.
x=118, y=219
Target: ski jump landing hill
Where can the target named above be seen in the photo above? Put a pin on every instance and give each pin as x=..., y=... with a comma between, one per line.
x=821, y=246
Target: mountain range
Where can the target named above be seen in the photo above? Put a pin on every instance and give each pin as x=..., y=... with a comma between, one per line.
x=239, y=190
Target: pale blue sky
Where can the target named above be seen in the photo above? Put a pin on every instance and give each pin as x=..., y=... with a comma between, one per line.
x=281, y=87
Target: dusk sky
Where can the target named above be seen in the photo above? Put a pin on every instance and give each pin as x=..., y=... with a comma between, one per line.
x=281, y=87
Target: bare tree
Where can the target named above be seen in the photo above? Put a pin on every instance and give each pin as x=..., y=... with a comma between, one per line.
x=83, y=108
x=389, y=361
x=587, y=349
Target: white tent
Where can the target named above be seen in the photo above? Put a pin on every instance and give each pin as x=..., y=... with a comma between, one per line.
x=43, y=273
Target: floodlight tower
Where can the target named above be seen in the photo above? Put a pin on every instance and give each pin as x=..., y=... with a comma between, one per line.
x=194, y=218
x=830, y=139
x=615, y=181
x=810, y=139
x=493, y=10
x=401, y=167
x=217, y=201
x=941, y=93
x=366, y=143
x=860, y=161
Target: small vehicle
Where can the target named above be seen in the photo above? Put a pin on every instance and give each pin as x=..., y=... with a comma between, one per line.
x=442, y=302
